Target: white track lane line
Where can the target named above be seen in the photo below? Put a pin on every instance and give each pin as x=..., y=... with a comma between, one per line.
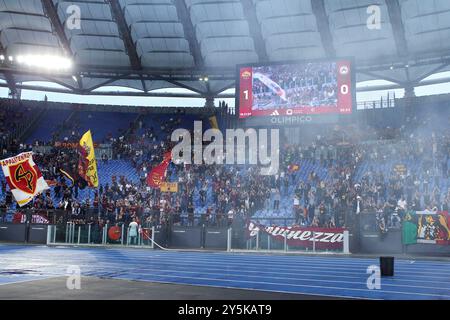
x=210, y=262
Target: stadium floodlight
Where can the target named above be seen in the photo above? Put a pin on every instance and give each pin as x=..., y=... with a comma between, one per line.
x=48, y=62
x=2, y=57
x=10, y=58
x=205, y=79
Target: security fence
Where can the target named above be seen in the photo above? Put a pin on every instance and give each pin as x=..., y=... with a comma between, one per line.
x=97, y=234
x=59, y=227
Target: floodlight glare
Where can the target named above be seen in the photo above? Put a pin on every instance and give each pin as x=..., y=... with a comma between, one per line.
x=47, y=62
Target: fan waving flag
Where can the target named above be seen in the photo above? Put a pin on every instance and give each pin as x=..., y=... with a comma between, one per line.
x=87, y=165
x=158, y=174
x=24, y=177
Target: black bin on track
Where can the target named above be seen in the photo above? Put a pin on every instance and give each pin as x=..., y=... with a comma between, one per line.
x=387, y=266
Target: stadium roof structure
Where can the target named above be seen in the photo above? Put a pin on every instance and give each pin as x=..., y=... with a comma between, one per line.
x=153, y=44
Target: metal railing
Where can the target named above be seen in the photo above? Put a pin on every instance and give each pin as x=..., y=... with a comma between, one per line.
x=264, y=242
x=376, y=104
x=90, y=234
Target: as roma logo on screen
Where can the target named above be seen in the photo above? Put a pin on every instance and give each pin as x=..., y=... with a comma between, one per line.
x=246, y=75
x=23, y=177
x=343, y=70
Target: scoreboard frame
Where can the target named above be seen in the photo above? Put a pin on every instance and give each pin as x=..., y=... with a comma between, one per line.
x=295, y=120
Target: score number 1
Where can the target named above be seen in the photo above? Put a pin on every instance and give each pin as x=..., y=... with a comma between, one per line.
x=245, y=94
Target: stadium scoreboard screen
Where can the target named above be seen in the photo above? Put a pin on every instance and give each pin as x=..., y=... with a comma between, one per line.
x=295, y=93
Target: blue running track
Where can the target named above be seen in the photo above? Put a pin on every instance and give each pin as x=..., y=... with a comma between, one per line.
x=310, y=275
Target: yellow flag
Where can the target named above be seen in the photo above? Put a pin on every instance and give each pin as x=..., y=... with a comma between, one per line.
x=169, y=187
x=213, y=122
x=87, y=165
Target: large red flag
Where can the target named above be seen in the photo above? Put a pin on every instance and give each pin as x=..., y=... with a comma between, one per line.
x=158, y=173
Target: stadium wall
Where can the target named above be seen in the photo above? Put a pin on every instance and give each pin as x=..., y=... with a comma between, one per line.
x=366, y=242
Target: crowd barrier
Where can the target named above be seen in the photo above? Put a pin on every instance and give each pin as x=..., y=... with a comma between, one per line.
x=198, y=237
x=186, y=237
x=311, y=240
x=92, y=234
x=364, y=238
x=10, y=232
x=37, y=233
x=216, y=238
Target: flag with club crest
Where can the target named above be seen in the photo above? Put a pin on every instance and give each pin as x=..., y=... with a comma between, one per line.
x=23, y=177
x=158, y=174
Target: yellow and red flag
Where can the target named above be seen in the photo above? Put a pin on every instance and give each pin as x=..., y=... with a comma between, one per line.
x=87, y=164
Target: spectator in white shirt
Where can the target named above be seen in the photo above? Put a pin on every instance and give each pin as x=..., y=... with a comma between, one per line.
x=133, y=231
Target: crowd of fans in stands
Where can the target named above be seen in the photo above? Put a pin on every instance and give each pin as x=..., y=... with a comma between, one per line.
x=242, y=191
x=13, y=118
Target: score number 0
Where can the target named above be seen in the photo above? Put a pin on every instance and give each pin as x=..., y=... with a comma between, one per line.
x=344, y=89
